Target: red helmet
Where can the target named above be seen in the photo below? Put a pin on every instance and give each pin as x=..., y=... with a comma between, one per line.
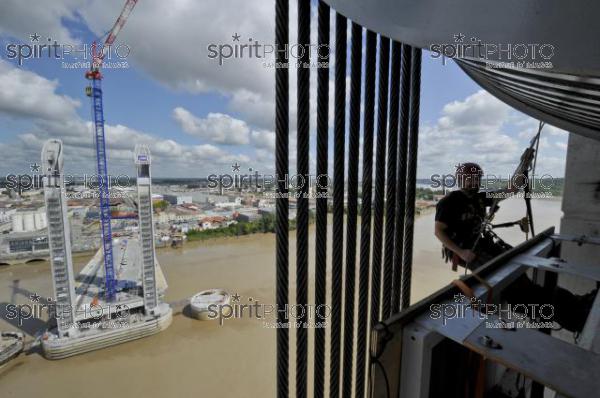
x=468, y=169
x=468, y=175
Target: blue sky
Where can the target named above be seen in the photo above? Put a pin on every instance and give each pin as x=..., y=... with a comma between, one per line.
x=199, y=117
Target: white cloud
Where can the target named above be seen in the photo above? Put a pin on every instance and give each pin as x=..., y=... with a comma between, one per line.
x=216, y=127
x=561, y=145
x=478, y=129
x=18, y=17
x=172, y=47
x=27, y=94
x=53, y=116
x=264, y=139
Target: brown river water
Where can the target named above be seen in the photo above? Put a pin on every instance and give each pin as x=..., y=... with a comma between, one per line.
x=201, y=358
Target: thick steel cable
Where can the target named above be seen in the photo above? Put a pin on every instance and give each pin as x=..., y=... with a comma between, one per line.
x=322, y=189
x=390, y=200
x=303, y=138
x=384, y=60
x=365, y=214
x=339, y=130
x=281, y=169
x=353, y=153
x=401, y=176
x=411, y=173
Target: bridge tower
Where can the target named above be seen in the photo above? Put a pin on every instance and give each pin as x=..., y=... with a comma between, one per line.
x=59, y=237
x=146, y=227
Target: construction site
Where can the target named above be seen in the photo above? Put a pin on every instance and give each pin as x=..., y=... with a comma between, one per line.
x=119, y=294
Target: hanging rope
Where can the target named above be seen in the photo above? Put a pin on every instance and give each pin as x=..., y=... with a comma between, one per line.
x=302, y=149
x=338, y=203
x=353, y=152
x=401, y=180
x=390, y=201
x=365, y=222
x=411, y=174
x=321, y=212
x=528, y=186
x=384, y=57
x=282, y=169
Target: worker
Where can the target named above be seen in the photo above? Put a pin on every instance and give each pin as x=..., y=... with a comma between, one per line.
x=459, y=217
x=458, y=225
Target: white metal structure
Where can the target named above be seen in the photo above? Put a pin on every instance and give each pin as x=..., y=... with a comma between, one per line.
x=144, y=189
x=59, y=238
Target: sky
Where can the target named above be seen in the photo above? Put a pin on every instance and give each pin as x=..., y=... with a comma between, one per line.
x=199, y=117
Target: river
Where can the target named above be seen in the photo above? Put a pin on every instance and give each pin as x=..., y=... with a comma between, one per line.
x=195, y=358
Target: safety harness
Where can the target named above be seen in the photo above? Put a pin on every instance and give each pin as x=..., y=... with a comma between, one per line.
x=527, y=164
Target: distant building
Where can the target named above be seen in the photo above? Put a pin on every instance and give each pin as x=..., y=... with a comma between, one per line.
x=177, y=200
x=248, y=215
x=212, y=222
x=179, y=214
x=29, y=220
x=24, y=242
x=6, y=214
x=236, y=203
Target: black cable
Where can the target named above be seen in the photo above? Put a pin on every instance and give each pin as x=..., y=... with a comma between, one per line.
x=385, y=376
x=282, y=168
x=365, y=214
x=303, y=139
x=321, y=201
x=384, y=57
x=401, y=176
x=390, y=201
x=338, y=203
x=527, y=194
x=353, y=152
x=411, y=173
x=377, y=349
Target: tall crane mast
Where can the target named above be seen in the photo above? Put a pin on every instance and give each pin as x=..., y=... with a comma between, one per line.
x=95, y=92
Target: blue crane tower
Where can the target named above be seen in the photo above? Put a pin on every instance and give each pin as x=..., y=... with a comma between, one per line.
x=95, y=92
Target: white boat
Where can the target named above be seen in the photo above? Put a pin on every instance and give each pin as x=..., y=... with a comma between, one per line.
x=207, y=301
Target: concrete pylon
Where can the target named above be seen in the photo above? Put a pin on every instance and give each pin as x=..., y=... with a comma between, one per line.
x=581, y=205
x=59, y=236
x=146, y=227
